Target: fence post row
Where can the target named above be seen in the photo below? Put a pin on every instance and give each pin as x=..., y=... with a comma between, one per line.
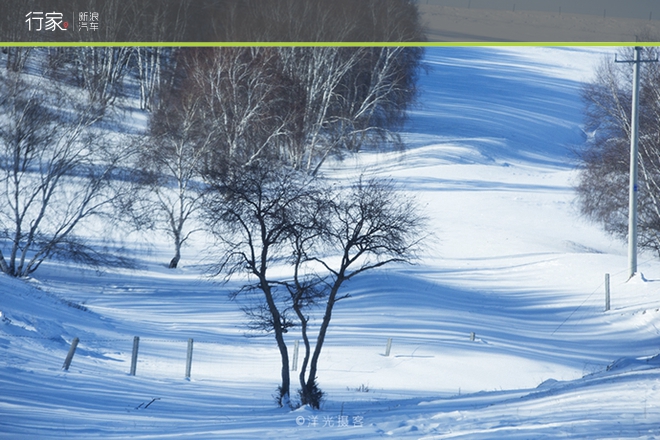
x=189, y=355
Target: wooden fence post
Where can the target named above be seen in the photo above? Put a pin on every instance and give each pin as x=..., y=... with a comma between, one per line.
x=294, y=363
x=69, y=356
x=134, y=357
x=607, y=292
x=189, y=358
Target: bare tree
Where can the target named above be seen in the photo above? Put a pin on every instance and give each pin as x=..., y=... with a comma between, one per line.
x=98, y=72
x=603, y=183
x=52, y=180
x=16, y=57
x=245, y=106
x=276, y=115
x=316, y=74
x=265, y=217
x=253, y=212
x=346, y=99
x=218, y=112
x=149, y=62
x=170, y=162
x=367, y=226
x=298, y=106
x=101, y=72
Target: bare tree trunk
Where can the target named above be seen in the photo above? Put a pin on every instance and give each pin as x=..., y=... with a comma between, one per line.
x=311, y=393
x=284, y=398
x=174, y=262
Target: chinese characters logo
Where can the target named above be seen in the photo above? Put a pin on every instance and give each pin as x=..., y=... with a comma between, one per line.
x=50, y=21
x=88, y=21
x=55, y=21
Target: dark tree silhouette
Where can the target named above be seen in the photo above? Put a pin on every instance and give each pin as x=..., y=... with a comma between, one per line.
x=253, y=213
x=369, y=226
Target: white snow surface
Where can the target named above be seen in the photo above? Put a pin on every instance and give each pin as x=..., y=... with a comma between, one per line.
x=490, y=161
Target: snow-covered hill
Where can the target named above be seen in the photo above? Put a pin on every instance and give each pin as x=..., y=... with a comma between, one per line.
x=499, y=332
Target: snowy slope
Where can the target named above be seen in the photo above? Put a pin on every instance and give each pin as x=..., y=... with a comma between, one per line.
x=490, y=160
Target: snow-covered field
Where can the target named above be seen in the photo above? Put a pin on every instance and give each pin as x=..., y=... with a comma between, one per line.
x=490, y=159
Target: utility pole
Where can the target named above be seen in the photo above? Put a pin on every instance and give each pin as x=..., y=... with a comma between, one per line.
x=634, y=136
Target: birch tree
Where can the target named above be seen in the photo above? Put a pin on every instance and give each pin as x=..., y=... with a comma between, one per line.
x=170, y=162
x=344, y=99
x=244, y=103
x=51, y=178
x=299, y=106
x=154, y=66
x=278, y=114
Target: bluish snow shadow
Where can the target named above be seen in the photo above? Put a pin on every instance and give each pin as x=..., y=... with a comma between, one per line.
x=467, y=94
x=516, y=322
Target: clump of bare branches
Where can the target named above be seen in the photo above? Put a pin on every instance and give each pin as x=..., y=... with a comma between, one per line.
x=230, y=108
x=56, y=171
x=602, y=188
x=318, y=237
